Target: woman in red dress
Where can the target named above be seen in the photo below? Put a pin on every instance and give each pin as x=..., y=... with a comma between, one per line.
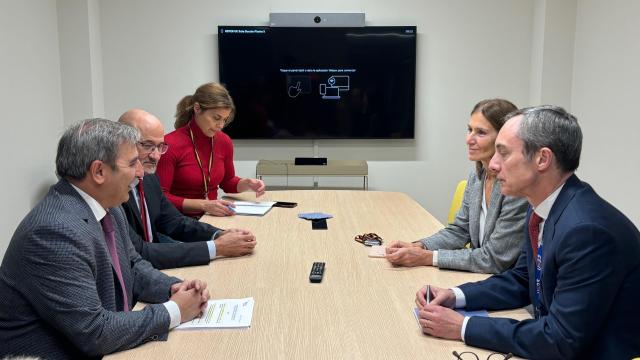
x=200, y=155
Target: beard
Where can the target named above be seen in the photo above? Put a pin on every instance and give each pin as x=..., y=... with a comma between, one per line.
x=150, y=166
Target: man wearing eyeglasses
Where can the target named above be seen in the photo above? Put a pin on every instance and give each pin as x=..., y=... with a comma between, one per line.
x=152, y=216
x=579, y=267
x=70, y=278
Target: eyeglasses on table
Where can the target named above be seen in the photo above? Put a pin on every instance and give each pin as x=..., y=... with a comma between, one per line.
x=470, y=355
x=369, y=239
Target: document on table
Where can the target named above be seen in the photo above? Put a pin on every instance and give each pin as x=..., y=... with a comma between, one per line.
x=223, y=313
x=252, y=207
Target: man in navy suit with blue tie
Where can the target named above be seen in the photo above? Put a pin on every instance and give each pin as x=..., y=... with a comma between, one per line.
x=579, y=268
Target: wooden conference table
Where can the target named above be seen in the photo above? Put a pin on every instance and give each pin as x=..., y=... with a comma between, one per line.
x=362, y=309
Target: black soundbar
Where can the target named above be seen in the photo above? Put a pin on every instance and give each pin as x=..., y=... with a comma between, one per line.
x=310, y=161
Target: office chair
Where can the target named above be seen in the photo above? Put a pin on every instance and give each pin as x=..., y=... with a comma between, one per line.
x=456, y=201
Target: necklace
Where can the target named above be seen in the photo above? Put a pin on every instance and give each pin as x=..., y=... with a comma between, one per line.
x=206, y=178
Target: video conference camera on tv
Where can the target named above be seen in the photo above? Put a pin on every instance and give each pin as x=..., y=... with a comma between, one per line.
x=316, y=19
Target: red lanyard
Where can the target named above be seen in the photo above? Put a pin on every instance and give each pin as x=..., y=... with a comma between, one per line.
x=206, y=179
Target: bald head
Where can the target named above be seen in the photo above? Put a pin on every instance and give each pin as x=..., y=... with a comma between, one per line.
x=141, y=120
x=151, y=136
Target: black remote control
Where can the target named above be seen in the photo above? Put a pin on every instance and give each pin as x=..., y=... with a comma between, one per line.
x=317, y=270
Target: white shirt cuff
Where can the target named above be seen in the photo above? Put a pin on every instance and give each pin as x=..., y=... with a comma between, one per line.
x=464, y=326
x=461, y=301
x=435, y=258
x=212, y=249
x=174, y=313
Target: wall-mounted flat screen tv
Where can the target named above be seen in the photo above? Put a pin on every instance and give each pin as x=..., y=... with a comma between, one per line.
x=320, y=83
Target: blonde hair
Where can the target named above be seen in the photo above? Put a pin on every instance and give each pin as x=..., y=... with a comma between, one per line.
x=209, y=96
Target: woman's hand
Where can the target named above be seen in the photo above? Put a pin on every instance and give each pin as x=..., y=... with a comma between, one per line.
x=409, y=256
x=254, y=185
x=402, y=244
x=218, y=207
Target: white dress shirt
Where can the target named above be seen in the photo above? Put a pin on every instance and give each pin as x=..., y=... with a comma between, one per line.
x=483, y=217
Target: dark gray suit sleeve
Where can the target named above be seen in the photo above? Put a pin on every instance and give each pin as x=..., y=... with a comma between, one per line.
x=60, y=277
x=149, y=284
x=171, y=222
x=170, y=255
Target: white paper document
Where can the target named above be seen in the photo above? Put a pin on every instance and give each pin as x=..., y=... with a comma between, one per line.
x=252, y=207
x=223, y=313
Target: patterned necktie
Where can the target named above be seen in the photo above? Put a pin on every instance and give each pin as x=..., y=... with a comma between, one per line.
x=109, y=236
x=143, y=211
x=534, y=231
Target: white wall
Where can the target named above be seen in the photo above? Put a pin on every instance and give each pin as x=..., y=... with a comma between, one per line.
x=155, y=52
x=80, y=59
x=581, y=54
x=605, y=95
x=31, y=107
x=552, y=54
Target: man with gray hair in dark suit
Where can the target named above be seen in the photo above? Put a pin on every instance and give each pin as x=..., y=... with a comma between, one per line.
x=70, y=276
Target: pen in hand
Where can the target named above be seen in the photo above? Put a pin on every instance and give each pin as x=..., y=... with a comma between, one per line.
x=427, y=294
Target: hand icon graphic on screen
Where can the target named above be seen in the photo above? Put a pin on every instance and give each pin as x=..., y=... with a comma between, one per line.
x=294, y=91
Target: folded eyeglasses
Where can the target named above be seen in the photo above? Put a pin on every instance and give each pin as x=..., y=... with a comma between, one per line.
x=369, y=239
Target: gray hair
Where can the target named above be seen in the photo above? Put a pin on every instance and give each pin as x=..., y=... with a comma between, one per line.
x=90, y=140
x=552, y=127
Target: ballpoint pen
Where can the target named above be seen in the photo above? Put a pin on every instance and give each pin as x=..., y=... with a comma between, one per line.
x=427, y=294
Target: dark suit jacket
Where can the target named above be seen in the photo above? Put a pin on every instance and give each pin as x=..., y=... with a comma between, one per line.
x=590, y=286
x=166, y=219
x=59, y=296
